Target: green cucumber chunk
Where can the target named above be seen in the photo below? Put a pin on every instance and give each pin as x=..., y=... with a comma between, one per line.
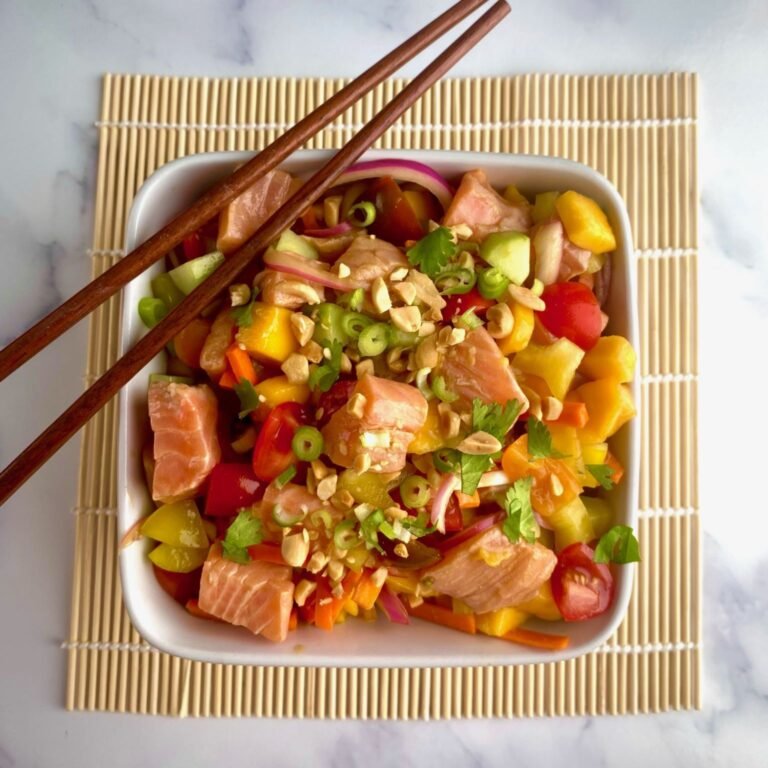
x=510, y=253
x=165, y=289
x=290, y=242
x=189, y=275
x=152, y=311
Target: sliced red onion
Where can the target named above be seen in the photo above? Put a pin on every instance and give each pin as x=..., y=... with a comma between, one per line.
x=402, y=170
x=481, y=524
x=392, y=606
x=447, y=486
x=314, y=271
x=493, y=479
x=340, y=229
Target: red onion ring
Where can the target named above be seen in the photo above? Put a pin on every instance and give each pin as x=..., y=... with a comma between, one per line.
x=339, y=229
x=392, y=606
x=314, y=271
x=447, y=486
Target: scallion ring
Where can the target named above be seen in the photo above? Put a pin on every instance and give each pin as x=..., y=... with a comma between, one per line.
x=152, y=311
x=353, y=323
x=344, y=535
x=415, y=492
x=468, y=320
x=284, y=518
x=456, y=281
x=307, y=443
x=445, y=459
x=373, y=340
x=321, y=517
x=362, y=214
x=441, y=392
x=492, y=283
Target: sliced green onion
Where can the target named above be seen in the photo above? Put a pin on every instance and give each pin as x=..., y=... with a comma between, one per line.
x=445, y=459
x=285, y=476
x=165, y=289
x=403, y=339
x=373, y=340
x=387, y=529
x=328, y=324
x=307, y=443
x=439, y=388
x=415, y=492
x=418, y=526
x=370, y=530
x=321, y=517
x=152, y=311
x=455, y=281
x=353, y=323
x=468, y=320
x=284, y=518
x=354, y=299
x=362, y=214
x=492, y=283
x=344, y=535
x=422, y=384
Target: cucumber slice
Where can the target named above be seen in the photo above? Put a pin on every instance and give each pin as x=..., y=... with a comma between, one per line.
x=163, y=377
x=290, y=242
x=152, y=311
x=510, y=253
x=189, y=275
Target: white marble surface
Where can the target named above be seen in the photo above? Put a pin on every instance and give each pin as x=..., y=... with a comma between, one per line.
x=52, y=54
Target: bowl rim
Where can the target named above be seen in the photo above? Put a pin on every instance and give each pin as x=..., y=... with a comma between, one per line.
x=469, y=160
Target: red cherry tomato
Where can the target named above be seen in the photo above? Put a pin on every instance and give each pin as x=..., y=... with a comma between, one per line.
x=193, y=245
x=272, y=452
x=573, y=312
x=180, y=586
x=334, y=399
x=395, y=219
x=460, y=303
x=581, y=587
x=231, y=487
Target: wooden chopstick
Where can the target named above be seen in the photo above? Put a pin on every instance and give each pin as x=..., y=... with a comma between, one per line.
x=99, y=290
x=39, y=451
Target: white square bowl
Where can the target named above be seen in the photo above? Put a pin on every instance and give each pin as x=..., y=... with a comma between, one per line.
x=167, y=626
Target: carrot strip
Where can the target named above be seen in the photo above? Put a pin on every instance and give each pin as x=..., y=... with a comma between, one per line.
x=463, y=622
x=194, y=608
x=574, y=415
x=537, y=639
x=618, y=470
x=268, y=553
x=242, y=365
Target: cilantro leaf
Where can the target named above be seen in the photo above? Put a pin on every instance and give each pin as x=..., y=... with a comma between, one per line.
x=249, y=398
x=493, y=418
x=324, y=376
x=520, y=522
x=618, y=545
x=418, y=526
x=603, y=474
x=243, y=316
x=472, y=469
x=244, y=531
x=433, y=252
x=540, y=441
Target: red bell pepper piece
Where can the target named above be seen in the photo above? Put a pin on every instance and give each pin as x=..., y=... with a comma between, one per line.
x=272, y=453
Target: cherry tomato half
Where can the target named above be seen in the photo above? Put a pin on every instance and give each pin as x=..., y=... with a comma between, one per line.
x=180, y=586
x=573, y=312
x=395, y=219
x=581, y=587
x=272, y=452
x=459, y=303
x=231, y=487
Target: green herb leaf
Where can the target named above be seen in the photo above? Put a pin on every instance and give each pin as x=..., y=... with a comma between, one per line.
x=618, y=545
x=324, y=376
x=520, y=522
x=369, y=530
x=603, y=474
x=540, y=441
x=433, y=252
x=243, y=316
x=285, y=476
x=492, y=418
x=418, y=526
x=249, y=398
x=244, y=531
x=472, y=469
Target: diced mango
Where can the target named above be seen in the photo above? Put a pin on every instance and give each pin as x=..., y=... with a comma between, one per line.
x=405, y=583
x=565, y=440
x=459, y=606
x=269, y=337
x=611, y=358
x=429, y=437
x=543, y=605
x=513, y=195
x=367, y=488
x=556, y=364
x=600, y=514
x=571, y=523
x=498, y=623
x=585, y=222
x=544, y=207
x=521, y=331
x=277, y=390
x=592, y=453
x=610, y=406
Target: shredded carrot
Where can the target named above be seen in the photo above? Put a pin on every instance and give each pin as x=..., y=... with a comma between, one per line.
x=537, y=639
x=268, y=553
x=227, y=380
x=613, y=463
x=194, y=608
x=468, y=501
x=293, y=622
x=463, y=622
x=574, y=415
x=242, y=365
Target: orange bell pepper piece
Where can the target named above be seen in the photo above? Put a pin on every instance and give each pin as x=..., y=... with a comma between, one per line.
x=268, y=553
x=618, y=470
x=574, y=415
x=227, y=380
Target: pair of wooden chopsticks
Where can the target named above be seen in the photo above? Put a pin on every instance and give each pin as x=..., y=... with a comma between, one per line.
x=86, y=300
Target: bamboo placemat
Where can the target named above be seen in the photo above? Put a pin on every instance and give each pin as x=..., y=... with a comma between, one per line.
x=640, y=131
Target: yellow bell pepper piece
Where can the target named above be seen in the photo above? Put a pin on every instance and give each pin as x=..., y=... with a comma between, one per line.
x=585, y=222
x=544, y=207
x=611, y=358
x=609, y=404
x=498, y=623
x=428, y=438
x=277, y=390
x=178, y=525
x=513, y=195
x=555, y=363
x=542, y=606
x=600, y=514
x=521, y=331
x=367, y=488
x=269, y=337
x=571, y=523
x=178, y=559
x=403, y=584
x=351, y=608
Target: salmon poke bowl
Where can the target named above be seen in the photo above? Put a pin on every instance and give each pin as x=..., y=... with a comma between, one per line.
x=406, y=436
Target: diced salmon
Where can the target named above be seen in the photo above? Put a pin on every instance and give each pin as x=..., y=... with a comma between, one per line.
x=255, y=595
x=186, y=448
x=292, y=498
x=369, y=258
x=478, y=205
x=489, y=572
x=477, y=368
x=248, y=211
x=283, y=290
x=574, y=261
x=213, y=359
x=392, y=413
